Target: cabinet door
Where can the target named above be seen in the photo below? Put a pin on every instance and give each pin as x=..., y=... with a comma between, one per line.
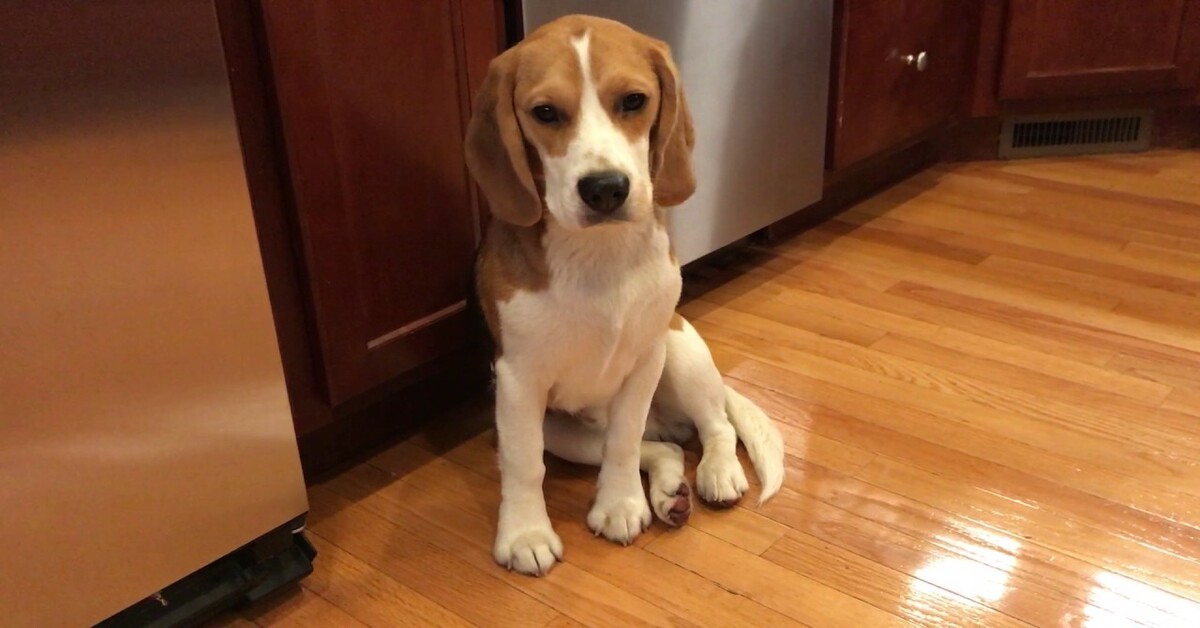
x=372, y=101
x=871, y=79
x=1086, y=48
x=884, y=96
x=938, y=30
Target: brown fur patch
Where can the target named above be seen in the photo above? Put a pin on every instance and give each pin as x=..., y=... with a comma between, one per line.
x=512, y=260
x=620, y=65
x=549, y=74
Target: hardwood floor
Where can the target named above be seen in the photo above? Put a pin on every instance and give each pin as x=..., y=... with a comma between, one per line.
x=988, y=379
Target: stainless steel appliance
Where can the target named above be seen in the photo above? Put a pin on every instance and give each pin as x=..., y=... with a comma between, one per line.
x=757, y=79
x=145, y=431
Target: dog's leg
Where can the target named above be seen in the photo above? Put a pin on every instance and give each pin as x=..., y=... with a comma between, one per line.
x=621, y=512
x=571, y=440
x=669, y=492
x=525, y=540
x=692, y=387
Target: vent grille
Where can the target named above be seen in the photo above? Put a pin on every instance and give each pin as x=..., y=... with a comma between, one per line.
x=1077, y=134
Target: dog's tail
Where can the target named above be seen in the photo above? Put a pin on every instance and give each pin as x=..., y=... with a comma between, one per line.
x=761, y=438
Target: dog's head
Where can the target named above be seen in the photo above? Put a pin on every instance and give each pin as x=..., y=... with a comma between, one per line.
x=586, y=120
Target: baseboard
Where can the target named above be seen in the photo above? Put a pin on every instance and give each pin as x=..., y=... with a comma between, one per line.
x=363, y=429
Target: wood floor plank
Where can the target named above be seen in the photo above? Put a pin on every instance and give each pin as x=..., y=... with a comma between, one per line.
x=1124, y=220
x=1056, y=367
x=1136, y=299
x=1156, y=564
x=993, y=569
x=871, y=248
x=358, y=589
x=468, y=535
x=1179, y=372
x=792, y=308
x=1134, y=220
x=234, y=619
x=562, y=621
x=979, y=444
x=1117, y=333
x=1123, y=503
x=983, y=232
x=1066, y=303
x=1185, y=400
x=1086, y=180
x=1183, y=263
x=1102, y=216
x=1110, y=262
x=401, y=549
x=1026, y=415
x=1027, y=382
x=852, y=289
x=302, y=609
x=803, y=599
x=919, y=601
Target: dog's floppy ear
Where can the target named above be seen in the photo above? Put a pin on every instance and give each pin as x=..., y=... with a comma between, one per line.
x=495, y=148
x=672, y=138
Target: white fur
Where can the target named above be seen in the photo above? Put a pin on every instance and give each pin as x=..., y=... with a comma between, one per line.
x=595, y=344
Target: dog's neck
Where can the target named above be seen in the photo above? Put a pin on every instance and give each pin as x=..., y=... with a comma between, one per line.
x=608, y=249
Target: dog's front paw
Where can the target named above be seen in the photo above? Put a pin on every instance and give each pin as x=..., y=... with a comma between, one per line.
x=530, y=549
x=620, y=518
x=720, y=480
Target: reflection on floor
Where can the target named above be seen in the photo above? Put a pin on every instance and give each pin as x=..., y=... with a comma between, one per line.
x=988, y=379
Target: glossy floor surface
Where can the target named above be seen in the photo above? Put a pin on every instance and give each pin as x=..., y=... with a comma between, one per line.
x=988, y=379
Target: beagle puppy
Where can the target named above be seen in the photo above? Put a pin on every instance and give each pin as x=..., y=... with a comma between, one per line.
x=581, y=135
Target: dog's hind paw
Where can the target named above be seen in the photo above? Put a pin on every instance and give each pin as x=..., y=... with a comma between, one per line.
x=673, y=505
x=721, y=481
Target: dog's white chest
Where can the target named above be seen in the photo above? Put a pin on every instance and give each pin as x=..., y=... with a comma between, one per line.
x=600, y=342
x=592, y=326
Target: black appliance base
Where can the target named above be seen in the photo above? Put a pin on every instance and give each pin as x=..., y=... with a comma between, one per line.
x=270, y=562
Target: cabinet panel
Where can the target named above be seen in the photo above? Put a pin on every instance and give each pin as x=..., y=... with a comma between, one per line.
x=373, y=99
x=1087, y=48
x=887, y=92
x=871, y=79
x=939, y=30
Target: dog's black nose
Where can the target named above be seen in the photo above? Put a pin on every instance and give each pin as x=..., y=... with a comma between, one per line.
x=604, y=191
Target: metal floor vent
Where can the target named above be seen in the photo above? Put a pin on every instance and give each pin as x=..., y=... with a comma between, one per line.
x=1075, y=134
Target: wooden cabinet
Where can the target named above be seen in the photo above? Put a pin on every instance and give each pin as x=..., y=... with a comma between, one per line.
x=351, y=117
x=1087, y=48
x=900, y=70
x=372, y=101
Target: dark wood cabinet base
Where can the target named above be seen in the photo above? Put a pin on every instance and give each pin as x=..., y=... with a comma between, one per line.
x=368, y=426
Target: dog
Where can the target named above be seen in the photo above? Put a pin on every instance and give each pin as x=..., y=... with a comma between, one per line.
x=580, y=137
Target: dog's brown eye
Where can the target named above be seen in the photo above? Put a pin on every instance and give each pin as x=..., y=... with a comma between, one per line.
x=633, y=102
x=545, y=114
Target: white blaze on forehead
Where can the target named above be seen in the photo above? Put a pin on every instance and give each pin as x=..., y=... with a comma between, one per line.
x=581, y=45
x=598, y=144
